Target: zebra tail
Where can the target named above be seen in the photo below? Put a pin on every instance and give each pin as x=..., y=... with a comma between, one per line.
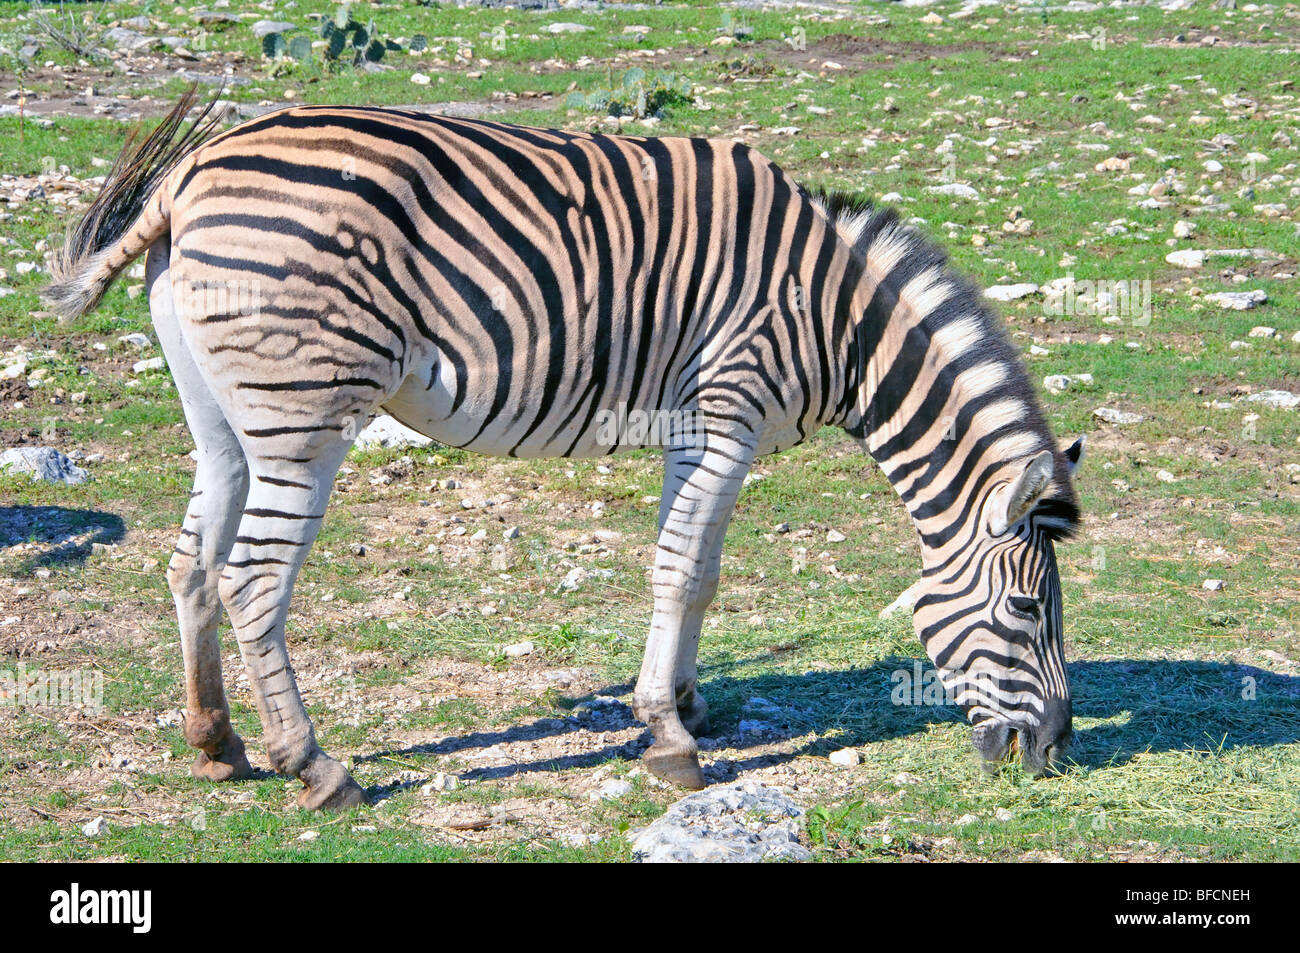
x=124, y=221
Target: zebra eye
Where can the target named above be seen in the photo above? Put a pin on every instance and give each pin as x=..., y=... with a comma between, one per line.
x=1025, y=607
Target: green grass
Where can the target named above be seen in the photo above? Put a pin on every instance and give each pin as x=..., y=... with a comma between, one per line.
x=1186, y=700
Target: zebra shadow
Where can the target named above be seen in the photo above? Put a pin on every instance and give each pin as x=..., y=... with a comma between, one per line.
x=58, y=535
x=1123, y=708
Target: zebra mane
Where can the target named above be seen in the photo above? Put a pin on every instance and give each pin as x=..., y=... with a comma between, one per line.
x=980, y=338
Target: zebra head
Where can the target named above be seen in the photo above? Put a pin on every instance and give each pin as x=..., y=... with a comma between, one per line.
x=989, y=614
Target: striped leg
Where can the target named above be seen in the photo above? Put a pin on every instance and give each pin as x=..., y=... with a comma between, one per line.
x=700, y=490
x=220, y=484
x=286, y=502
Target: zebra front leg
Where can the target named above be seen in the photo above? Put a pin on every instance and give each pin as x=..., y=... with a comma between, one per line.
x=700, y=489
x=211, y=518
x=283, y=514
x=692, y=709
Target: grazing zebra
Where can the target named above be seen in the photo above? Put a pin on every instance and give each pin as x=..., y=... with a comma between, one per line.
x=506, y=289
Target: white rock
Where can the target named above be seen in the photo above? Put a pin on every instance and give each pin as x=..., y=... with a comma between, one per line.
x=44, y=464
x=1277, y=399
x=906, y=600
x=955, y=190
x=1262, y=331
x=835, y=536
x=384, y=431
x=569, y=28
x=135, y=337
x=1212, y=585
x=1010, y=292
x=308, y=836
x=614, y=789
x=1117, y=417
x=1238, y=300
x=743, y=822
x=95, y=828
x=149, y=364
x=420, y=79
x=845, y=758
x=1002, y=814
x=1184, y=228
x=519, y=649
x=1187, y=258
x=1056, y=383
x=1164, y=476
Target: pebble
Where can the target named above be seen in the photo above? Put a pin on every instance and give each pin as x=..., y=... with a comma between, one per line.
x=614, y=789
x=149, y=364
x=95, y=828
x=845, y=758
x=1117, y=417
x=386, y=432
x=519, y=649
x=1238, y=300
x=955, y=190
x=1010, y=292
x=1212, y=585
x=1277, y=399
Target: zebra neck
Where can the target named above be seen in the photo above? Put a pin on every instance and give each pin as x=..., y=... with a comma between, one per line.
x=933, y=389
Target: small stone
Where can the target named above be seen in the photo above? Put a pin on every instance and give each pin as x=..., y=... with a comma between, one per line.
x=1238, y=300
x=1164, y=476
x=1002, y=814
x=569, y=28
x=519, y=649
x=904, y=778
x=1262, y=331
x=1184, y=229
x=95, y=828
x=386, y=432
x=1056, y=383
x=1212, y=585
x=835, y=536
x=44, y=464
x=308, y=836
x=1117, y=417
x=1010, y=292
x=845, y=758
x=1188, y=258
x=149, y=364
x=420, y=79
x=1112, y=164
x=966, y=819
x=955, y=190
x=1277, y=399
x=136, y=338
x=614, y=789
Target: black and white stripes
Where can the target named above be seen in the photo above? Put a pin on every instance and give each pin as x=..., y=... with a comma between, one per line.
x=504, y=290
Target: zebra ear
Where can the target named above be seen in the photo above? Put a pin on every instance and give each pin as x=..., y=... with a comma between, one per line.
x=1019, y=498
x=1074, y=456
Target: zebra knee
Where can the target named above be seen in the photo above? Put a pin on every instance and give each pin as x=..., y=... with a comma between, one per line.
x=242, y=588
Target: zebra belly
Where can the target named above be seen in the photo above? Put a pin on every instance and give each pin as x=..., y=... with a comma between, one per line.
x=427, y=402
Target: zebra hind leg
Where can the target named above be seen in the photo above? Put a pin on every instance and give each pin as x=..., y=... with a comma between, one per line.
x=286, y=501
x=220, y=483
x=700, y=489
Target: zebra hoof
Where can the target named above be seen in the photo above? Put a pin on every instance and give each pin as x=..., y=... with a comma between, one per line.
x=329, y=787
x=229, y=764
x=681, y=769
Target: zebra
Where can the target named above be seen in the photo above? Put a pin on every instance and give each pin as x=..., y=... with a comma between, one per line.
x=501, y=288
